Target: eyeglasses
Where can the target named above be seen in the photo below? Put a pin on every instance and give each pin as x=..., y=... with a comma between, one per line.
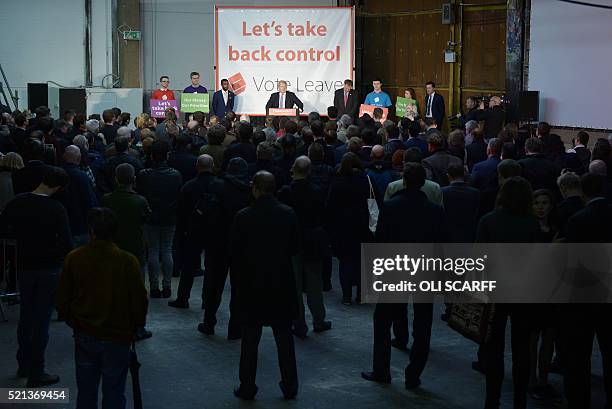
x=165, y=81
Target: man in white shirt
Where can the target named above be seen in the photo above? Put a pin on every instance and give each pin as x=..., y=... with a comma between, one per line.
x=223, y=100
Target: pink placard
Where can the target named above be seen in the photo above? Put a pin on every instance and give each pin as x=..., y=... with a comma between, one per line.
x=159, y=106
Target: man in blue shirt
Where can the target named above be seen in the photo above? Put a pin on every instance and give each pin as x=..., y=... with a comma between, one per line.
x=378, y=97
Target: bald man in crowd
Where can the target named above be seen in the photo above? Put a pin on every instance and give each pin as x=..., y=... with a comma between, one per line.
x=306, y=199
x=266, y=285
x=78, y=197
x=493, y=117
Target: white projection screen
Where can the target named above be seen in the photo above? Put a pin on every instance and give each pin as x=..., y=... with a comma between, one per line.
x=570, y=62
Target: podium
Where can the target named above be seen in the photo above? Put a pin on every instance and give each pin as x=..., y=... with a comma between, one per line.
x=288, y=112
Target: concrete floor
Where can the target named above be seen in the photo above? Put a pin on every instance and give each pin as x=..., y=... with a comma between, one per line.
x=184, y=369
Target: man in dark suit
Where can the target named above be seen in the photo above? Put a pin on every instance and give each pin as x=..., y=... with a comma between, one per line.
x=541, y=172
x=346, y=100
x=582, y=322
x=484, y=174
x=438, y=162
x=109, y=130
x=471, y=111
x=284, y=98
x=493, y=117
x=266, y=285
x=569, y=186
x=434, y=104
x=223, y=100
x=394, y=227
x=582, y=151
x=461, y=204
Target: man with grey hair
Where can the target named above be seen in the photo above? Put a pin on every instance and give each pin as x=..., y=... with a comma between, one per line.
x=284, y=98
x=598, y=167
x=94, y=137
x=266, y=284
x=469, y=128
x=198, y=210
x=439, y=159
x=571, y=191
x=306, y=199
x=343, y=123
x=78, y=196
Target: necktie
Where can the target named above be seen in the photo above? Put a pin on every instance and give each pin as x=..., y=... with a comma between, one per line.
x=281, y=101
x=429, y=105
x=345, y=98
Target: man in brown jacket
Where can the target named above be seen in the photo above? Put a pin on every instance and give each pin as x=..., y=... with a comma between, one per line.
x=101, y=295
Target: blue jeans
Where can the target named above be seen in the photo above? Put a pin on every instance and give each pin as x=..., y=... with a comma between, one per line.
x=159, y=245
x=95, y=358
x=37, y=288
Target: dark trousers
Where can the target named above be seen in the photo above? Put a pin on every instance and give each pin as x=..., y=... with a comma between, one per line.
x=37, y=288
x=349, y=274
x=384, y=316
x=521, y=327
x=251, y=335
x=217, y=265
x=581, y=324
x=106, y=360
x=191, y=254
x=326, y=259
x=400, y=326
x=308, y=280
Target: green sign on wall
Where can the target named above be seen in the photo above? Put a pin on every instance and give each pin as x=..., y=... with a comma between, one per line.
x=194, y=102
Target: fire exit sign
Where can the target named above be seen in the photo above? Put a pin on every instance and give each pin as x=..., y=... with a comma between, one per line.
x=131, y=35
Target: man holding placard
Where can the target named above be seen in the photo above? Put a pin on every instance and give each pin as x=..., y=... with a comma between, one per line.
x=163, y=93
x=197, y=100
x=378, y=97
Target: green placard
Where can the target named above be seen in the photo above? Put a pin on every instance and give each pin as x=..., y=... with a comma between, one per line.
x=401, y=104
x=194, y=102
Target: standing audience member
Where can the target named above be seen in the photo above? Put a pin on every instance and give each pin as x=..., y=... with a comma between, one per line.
x=161, y=186
x=461, y=204
x=215, y=148
x=571, y=192
x=182, y=159
x=439, y=159
x=9, y=163
x=266, y=285
x=40, y=225
x=101, y=295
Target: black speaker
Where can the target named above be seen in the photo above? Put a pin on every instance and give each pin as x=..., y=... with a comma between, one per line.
x=529, y=106
x=72, y=98
x=38, y=95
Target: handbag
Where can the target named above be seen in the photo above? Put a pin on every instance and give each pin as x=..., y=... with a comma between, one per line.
x=473, y=321
x=372, y=207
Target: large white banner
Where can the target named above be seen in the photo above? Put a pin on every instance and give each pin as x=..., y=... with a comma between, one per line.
x=309, y=47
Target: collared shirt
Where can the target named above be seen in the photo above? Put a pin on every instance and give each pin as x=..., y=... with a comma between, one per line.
x=225, y=96
x=430, y=98
x=281, y=99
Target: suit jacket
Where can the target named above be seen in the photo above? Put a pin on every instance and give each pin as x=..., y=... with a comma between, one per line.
x=437, y=108
x=290, y=100
x=541, y=172
x=566, y=209
x=476, y=152
x=266, y=284
x=493, y=120
x=484, y=174
x=436, y=165
x=593, y=224
x=352, y=104
x=218, y=105
x=461, y=207
x=501, y=226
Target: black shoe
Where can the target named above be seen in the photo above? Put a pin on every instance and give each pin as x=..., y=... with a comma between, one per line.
x=155, y=293
x=288, y=392
x=206, y=329
x=412, y=383
x=324, y=326
x=242, y=394
x=327, y=286
x=346, y=301
x=43, y=380
x=143, y=334
x=167, y=292
x=301, y=334
x=178, y=303
x=372, y=377
x=478, y=367
x=402, y=346
x=233, y=337
x=22, y=372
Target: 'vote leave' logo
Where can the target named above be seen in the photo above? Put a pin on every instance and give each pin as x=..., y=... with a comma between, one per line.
x=237, y=83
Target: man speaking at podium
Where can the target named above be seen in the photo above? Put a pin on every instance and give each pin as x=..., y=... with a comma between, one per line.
x=284, y=98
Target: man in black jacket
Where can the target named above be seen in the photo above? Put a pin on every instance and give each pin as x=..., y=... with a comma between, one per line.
x=306, y=200
x=182, y=158
x=122, y=144
x=265, y=152
x=541, y=172
x=284, y=98
x=109, y=130
x=243, y=148
x=198, y=196
x=346, y=100
x=471, y=111
x=393, y=227
x=569, y=186
x=161, y=186
x=266, y=285
x=41, y=228
x=461, y=202
x=234, y=194
x=493, y=117
x=582, y=322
